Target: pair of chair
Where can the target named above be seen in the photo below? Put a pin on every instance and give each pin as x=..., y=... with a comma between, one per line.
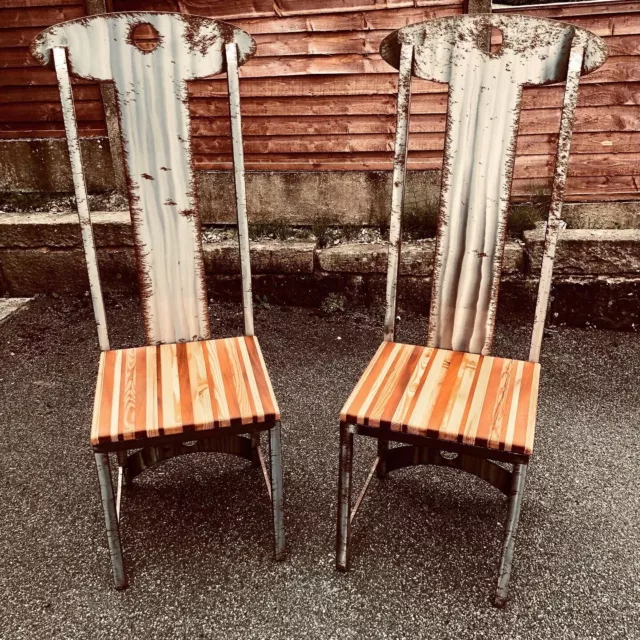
x=450, y=403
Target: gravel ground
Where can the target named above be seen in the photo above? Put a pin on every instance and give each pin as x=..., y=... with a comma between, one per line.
x=426, y=544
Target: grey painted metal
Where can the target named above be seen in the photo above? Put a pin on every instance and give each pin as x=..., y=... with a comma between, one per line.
x=363, y=491
x=149, y=457
x=554, y=222
x=494, y=474
x=485, y=90
x=398, y=188
x=277, y=495
x=111, y=520
x=239, y=179
x=513, y=517
x=151, y=90
x=79, y=185
x=343, y=534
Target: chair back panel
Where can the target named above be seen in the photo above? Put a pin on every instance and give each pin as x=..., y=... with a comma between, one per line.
x=485, y=91
x=151, y=88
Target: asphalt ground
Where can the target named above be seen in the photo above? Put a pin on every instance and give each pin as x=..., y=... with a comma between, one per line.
x=426, y=544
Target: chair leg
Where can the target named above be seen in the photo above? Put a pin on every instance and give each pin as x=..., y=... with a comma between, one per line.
x=344, y=498
x=275, y=450
x=383, y=447
x=513, y=516
x=111, y=520
x=255, y=445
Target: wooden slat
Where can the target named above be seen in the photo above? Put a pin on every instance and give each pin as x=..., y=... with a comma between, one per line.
x=17, y=95
x=49, y=111
x=20, y=37
x=173, y=388
x=283, y=8
x=541, y=144
x=39, y=16
x=622, y=118
x=460, y=397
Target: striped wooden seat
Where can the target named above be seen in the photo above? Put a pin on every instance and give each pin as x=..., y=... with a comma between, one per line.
x=460, y=397
x=174, y=388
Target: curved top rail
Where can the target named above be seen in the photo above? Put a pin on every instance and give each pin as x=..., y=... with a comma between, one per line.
x=89, y=42
x=538, y=45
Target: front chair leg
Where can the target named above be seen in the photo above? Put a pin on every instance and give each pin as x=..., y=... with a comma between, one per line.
x=513, y=516
x=275, y=450
x=111, y=520
x=344, y=498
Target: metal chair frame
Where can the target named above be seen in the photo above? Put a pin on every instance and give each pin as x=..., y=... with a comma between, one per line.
x=206, y=47
x=408, y=50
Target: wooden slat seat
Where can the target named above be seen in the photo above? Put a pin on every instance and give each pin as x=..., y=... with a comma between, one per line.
x=449, y=395
x=174, y=388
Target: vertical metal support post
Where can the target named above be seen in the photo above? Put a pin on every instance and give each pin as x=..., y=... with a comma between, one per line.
x=344, y=498
x=554, y=223
x=73, y=143
x=277, y=498
x=513, y=516
x=398, y=186
x=111, y=520
x=239, y=178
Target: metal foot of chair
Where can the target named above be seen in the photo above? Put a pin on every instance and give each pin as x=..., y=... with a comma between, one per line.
x=275, y=449
x=111, y=520
x=344, y=498
x=513, y=516
x=383, y=448
x=255, y=445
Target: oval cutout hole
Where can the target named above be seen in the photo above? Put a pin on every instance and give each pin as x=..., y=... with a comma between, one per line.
x=144, y=37
x=496, y=40
x=449, y=455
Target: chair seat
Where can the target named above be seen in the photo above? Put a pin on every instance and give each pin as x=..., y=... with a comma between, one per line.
x=449, y=395
x=173, y=388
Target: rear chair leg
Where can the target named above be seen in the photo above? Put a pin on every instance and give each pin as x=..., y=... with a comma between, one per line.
x=513, y=516
x=383, y=447
x=344, y=498
x=275, y=449
x=255, y=445
x=111, y=520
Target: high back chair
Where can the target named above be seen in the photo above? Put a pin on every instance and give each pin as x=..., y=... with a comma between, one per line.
x=183, y=392
x=451, y=403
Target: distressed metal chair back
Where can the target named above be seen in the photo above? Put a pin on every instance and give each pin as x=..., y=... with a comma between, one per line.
x=153, y=403
x=485, y=91
x=150, y=79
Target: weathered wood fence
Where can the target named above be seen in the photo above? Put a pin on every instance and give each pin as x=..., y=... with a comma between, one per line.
x=319, y=97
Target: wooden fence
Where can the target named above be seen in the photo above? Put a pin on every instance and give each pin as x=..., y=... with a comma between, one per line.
x=318, y=96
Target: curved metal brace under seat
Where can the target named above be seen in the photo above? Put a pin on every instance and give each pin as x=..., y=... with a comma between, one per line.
x=134, y=464
x=407, y=456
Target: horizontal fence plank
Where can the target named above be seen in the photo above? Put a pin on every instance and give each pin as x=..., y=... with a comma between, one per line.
x=539, y=144
x=39, y=16
x=532, y=121
x=583, y=166
x=33, y=94
x=18, y=37
x=283, y=8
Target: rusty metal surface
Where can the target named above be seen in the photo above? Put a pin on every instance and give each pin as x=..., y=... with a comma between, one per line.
x=485, y=89
x=151, y=89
